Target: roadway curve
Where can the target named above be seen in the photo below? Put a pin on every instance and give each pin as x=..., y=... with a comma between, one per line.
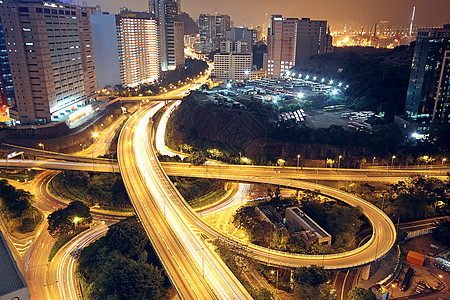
x=194, y=268
x=169, y=221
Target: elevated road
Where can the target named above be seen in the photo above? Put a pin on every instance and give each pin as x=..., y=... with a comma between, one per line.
x=194, y=268
x=379, y=244
x=247, y=172
x=175, y=229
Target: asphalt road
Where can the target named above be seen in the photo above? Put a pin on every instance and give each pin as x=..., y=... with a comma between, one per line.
x=195, y=269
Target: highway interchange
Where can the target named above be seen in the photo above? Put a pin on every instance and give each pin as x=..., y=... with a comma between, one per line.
x=177, y=232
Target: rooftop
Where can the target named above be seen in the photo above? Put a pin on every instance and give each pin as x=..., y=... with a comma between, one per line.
x=313, y=226
x=11, y=278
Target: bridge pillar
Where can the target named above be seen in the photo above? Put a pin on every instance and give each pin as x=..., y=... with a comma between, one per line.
x=365, y=273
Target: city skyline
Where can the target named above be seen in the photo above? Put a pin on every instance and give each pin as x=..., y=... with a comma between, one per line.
x=350, y=12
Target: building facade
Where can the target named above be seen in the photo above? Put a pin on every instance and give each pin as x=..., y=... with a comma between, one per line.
x=232, y=66
x=127, y=48
x=238, y=40
x=106, y=49
x=428, y=96
x=212, y=29
x=281, y=45
x=171, y=34
x=50, y=57
x=292, y=40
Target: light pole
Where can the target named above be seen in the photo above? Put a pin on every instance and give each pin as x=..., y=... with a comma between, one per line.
x=444, y=160
x=203, y=261
x=373, y=161
x=276, y=284
x=392, y=162
x=41, y=145
x=339, y=165
x=298, y=160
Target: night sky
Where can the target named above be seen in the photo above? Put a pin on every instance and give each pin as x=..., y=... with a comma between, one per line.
x=336, y=12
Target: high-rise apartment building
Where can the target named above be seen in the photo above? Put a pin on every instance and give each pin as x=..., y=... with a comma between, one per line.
x=212, y=29
x=291, y=40
x=311, y=38
x=171, y=33
x=238, y=40
x=232, y=66
x=46, y=51
x=127, y=48
x=428, y=96
x=240, y=34
x=282, y=45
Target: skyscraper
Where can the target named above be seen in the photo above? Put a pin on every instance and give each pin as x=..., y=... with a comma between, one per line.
x=171, y=33
x=281, y=45
x=291, y=41
x=428, y=96
x=212, y=31
x=126, y=47
x=47, y=52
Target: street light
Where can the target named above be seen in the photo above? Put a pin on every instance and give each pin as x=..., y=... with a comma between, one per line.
x=392, y=163
x=41, y=145
x=298, y=160
x=444, y=160
x=373, y=161
x=339, y=165
x=276, y=285
x=95, y=134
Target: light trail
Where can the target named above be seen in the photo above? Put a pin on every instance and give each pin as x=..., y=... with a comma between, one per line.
x=199, y=272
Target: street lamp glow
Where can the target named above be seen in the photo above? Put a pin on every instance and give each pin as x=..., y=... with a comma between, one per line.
x=300, y=95
x=288, y=73
x=95, y=134
x=76, y=219
x=41, y=145
x=307, y=77
x=334, y=92
x=323, y=80
x=314, y=78
x=331, y=81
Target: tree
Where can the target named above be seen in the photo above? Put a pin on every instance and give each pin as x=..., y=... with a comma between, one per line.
x=307, y=292
x=264, y=294
x=197, y=158
x=15, y=202
x=128, y=237
x=65, y=220
x=111, y=271
x=361, y=294
x=313, y=276
x=123, y=278
x=442, y=232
